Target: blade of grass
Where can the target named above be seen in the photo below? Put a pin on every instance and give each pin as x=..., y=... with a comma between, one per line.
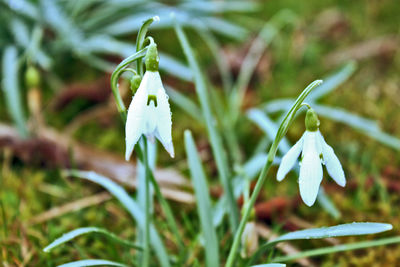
x=333, y=81
x=11, y=89
x=185, y=103
x=257, y=49
x=220, y=59
x=203, y=202
x=348, y=229
x=132, y=207
x=86, y=230
x=96, y=262
x=270, y=265
x=366, y=126
x=216, y=144
x=340, y=248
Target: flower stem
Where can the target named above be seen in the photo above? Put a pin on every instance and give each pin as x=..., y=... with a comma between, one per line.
x=146, y=251
x=246, y=213
x=263, y=175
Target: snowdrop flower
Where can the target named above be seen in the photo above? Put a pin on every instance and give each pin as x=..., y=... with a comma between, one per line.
x=149, y=112
x=315, y=152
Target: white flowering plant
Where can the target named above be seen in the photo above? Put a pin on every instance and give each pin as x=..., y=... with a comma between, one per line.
x=149, y=118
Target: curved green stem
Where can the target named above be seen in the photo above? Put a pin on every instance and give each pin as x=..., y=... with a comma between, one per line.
x=117, y=74
x=140, y=39
x=263, y=175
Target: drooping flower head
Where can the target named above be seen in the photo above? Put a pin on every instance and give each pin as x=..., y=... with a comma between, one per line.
x=314, y=152
x=149, y=112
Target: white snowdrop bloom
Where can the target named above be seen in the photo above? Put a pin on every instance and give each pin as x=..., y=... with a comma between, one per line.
x=149, y=112
x=314, y=152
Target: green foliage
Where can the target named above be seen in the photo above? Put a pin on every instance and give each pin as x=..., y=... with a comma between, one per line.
x=211, y=245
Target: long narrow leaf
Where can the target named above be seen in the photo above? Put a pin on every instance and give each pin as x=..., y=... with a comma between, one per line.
x=268, y=126
x=83, y=263
x=86, y=230
x=270, y=265
x=349, y=229
x=216, y=144
x=203, y=201
x=185, y=103
x=11, y=89
x=130, y=205
x=332, y=82
x=340, y=248
x=366, y=126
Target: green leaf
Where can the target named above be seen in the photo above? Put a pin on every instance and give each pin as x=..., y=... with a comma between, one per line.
x=203, y=202
x=332, y=82
x=131, y=206
x=366, y=126
x=220, y=6
x=11, y=89
x=25, y=8
x=83, y=263
x=86, y=230
x=141, y=36
x=270, y=265
x=269, y=127
x=185, y=103
x=115, y=77
x=340, y=248
x=215, y=138
x=349, y=229
x=327, y=204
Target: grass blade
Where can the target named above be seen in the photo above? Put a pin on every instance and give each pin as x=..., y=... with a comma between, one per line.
x=11, y=89
x=270, y=265
x=83, y=263
x=185, y=103
x=86, y=230
x=349, y=229
x=340, y=248
x=366, y=126
x=131, y=206
x=203, y=201
x=332, y=82
x=215, y=139
x=268, y=126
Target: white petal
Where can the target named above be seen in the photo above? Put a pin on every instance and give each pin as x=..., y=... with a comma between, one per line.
x=135, y=121
x=164, y=121
x=332, y=164
x=289, y=159
x=311, y=169
x=154, y=82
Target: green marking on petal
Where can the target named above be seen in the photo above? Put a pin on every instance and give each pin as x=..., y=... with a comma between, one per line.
x=152, y=98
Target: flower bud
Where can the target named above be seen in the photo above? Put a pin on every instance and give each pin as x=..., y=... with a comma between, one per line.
x=135, y=82
x=32, y=77
x=249, y=239
x=312, y=121
x=152, y=58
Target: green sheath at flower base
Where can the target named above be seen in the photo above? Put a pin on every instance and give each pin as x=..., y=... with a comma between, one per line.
x=152, y=58
x=312, y=121
x=32, y=77
x=135, y=82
